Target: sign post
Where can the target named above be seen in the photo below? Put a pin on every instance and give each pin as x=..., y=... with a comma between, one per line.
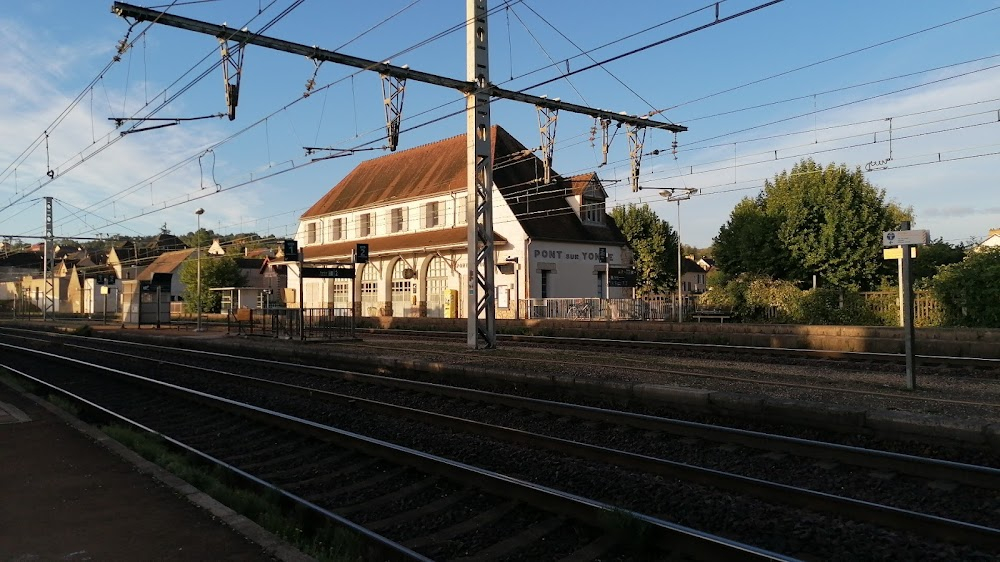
x=906, y=239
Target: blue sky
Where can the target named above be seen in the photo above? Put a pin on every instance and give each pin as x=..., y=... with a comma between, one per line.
x=826, y=79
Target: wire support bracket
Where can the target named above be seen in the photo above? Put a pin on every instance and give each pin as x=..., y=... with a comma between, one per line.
x=636, y=138
x=393, y=90
x=232, y=71
x=547, y=118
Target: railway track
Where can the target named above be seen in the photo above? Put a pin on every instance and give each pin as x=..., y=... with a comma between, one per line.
x=430, y=508
x=638, y=446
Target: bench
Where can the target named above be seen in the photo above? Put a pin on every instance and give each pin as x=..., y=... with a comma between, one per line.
x=719, y=315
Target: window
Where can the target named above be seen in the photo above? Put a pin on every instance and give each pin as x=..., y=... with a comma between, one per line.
x=365, y=225
x=545, y=283
x=337, y=229
x=432, y=214
x=311, y=233
x=600, y=284
x=463, y=201
x=397, y=220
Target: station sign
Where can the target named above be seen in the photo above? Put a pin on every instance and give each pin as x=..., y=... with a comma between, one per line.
x=290, y=248
x=328, y=273
x=908, y=237
x=361, y=253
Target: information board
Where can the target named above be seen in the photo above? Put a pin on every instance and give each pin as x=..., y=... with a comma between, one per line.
x=622, y=277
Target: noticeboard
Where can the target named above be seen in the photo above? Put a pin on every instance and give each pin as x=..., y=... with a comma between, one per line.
x=622, y=277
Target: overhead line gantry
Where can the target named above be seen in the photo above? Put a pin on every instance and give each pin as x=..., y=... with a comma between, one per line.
x=478, y=91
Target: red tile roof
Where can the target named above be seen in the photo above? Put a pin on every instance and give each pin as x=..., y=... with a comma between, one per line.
x=440, y=167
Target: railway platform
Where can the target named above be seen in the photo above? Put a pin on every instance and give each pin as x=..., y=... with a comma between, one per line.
x=67, y=492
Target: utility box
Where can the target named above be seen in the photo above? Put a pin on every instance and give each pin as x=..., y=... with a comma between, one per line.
x=450, y=299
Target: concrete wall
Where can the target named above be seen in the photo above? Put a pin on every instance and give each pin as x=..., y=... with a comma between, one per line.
x=956, y=342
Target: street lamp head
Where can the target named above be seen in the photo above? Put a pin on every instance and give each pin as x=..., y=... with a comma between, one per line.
x=678, y=194
x=199, y=211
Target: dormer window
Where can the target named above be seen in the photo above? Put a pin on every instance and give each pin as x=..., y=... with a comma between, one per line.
x=592, y=211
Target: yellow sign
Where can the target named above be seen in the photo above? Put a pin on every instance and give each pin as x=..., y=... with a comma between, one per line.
x=897, y=253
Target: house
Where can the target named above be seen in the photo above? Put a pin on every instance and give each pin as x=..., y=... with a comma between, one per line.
x=992, y=241
x=169, y=263
x=129, y=259
x=94, y=289
x=692, y=277
x=708, y=264
x=551, y=240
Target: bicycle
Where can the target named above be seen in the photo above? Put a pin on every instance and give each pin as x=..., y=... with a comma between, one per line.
x=581, y=310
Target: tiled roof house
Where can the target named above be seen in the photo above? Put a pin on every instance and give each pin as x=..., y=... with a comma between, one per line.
x=410, y=208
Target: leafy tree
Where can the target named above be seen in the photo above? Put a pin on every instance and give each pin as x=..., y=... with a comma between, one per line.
x=749, y=243
x=932, y=256
x=654, y=245
x=831, y=221
x=969, y=291
x=216, y=271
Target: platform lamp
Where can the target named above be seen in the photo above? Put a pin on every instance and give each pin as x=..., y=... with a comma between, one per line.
x=678, y=194
x=197, y=242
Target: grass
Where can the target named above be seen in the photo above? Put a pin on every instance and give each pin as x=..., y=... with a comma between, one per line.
x=325, y=542
x=15, y=382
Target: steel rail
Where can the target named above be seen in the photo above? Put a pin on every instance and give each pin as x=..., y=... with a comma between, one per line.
x=377, y=544
x=669, y=536
x=888, y=516
x=979, y=476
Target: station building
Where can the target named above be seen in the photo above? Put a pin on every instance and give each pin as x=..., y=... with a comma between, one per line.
x=552, y=240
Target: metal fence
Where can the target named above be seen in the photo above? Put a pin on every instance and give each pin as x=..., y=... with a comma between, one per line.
x=292, y=323
x=609, y=309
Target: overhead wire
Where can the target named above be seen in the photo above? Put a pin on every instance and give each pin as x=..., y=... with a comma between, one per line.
x=432, y=121
x=82, y=156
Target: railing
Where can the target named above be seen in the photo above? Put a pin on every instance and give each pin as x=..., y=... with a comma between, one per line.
x=291, y=323
x=605, y=309
x=927, y=311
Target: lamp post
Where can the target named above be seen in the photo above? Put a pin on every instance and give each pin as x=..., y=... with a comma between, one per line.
x=197, y=235
x=679, y=195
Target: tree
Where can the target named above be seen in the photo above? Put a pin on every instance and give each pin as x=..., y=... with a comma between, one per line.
x=831, y=221
x=749, y=243
x=932, y=256
x=216, y=271
x=969, y=291
x=653, y=243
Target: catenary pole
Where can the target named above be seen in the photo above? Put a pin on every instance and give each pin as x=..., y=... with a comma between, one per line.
x=478, y=91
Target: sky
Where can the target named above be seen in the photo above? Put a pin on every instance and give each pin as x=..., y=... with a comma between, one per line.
x=905, y=90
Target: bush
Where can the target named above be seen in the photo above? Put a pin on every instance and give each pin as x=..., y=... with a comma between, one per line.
x=828, y=305
x=968, y=290
x=758, y=298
